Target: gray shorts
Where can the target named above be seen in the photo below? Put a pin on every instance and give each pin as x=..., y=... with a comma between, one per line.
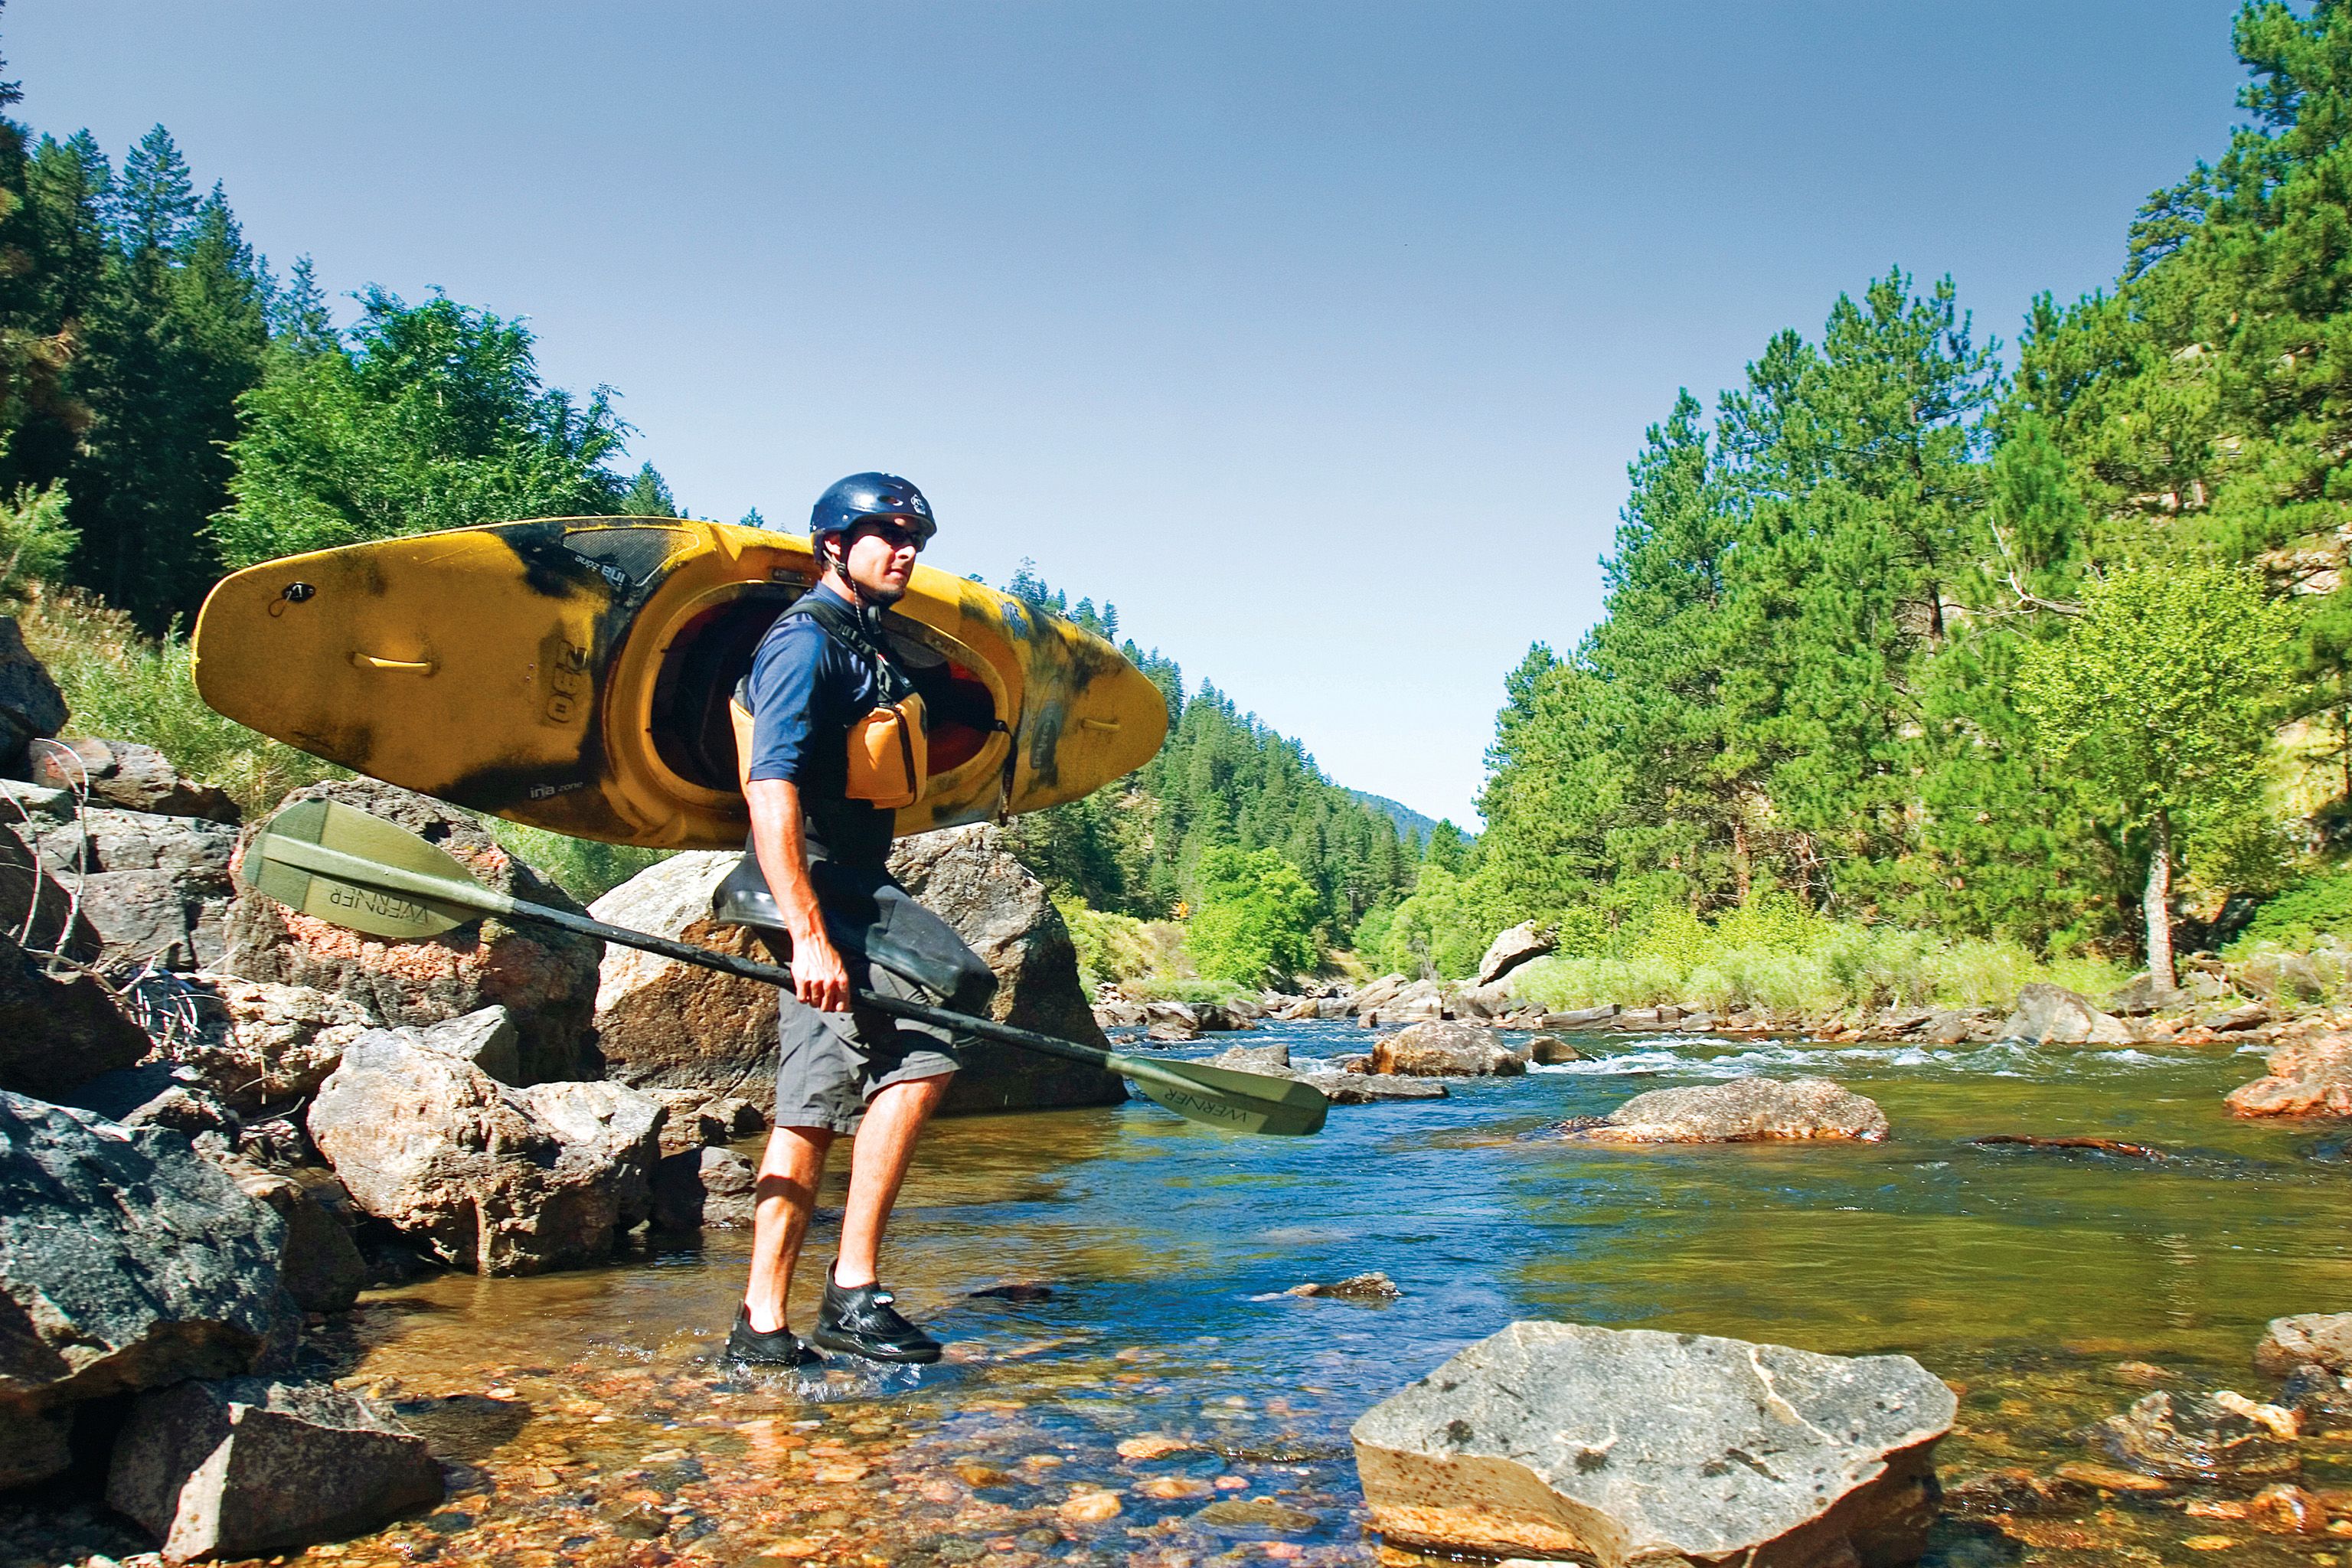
x=830, y=1065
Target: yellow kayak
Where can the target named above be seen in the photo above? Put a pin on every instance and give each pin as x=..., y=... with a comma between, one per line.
x=574, y=674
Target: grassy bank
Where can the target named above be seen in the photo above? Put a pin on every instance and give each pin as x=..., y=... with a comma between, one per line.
x=1777, y=958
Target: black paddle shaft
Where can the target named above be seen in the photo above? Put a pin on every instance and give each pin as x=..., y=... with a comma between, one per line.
x=753, y=969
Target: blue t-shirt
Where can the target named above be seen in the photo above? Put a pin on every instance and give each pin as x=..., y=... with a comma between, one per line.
x=805, y=690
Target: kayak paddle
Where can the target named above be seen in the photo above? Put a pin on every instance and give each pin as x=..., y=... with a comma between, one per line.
x=339, y=864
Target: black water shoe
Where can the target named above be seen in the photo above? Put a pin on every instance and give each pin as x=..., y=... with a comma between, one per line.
x=862, y=1323
x=750, y=1346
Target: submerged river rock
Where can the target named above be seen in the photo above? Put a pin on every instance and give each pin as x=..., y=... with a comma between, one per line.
x=1745, y=1109
x=1634, y=1445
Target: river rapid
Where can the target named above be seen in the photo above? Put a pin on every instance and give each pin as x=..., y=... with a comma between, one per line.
x=1138, y=1266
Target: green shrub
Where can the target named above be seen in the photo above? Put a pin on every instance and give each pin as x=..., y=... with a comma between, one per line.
x=35, y=541
x=1257, y=919
x=2312, y=907
x=125, y=687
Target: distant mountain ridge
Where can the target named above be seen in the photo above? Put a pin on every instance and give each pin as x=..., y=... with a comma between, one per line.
x=1409, y=822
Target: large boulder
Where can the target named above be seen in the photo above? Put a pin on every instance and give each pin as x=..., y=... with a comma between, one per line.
x=1621, y=1447
x=261, y=1046
x=666, y=1024
x=545, y=979
x=35, y=910
x=614, y=1125
x=1367, y=998
x=968, y=877
x=2310, y=1079
x=31, y=706
x=320, y=1266
x=1446, y=1050
x=156, y=888
x=1421, y=1001
x=2053, y=1015
x=248, y=1466
x=129, y=777
x=2287, y=977
x=126, y=1262
x=1514, y=947
x=483, y=1175
x=58, y=1031
x=1741, y=1111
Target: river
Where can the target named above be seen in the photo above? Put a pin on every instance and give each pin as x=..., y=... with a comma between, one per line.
x=1140, y=1264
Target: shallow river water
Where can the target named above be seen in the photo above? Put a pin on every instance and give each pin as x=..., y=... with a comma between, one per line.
x=1141, y=1262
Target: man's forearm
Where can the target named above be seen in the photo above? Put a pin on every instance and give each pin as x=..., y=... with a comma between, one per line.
x=778, y=840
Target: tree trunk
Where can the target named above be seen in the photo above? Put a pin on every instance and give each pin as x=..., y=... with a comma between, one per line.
x=2156, y=906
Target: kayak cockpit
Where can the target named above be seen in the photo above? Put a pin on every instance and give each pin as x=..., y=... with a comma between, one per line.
x=712, y=650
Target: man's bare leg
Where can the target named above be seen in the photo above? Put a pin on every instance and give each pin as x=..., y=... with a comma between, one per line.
x=877, y=1165
x=782, y=1201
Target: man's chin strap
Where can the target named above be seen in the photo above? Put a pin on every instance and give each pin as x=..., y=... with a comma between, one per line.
x=838, y=566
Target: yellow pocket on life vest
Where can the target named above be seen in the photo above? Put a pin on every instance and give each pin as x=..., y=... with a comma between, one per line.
x=889, y=756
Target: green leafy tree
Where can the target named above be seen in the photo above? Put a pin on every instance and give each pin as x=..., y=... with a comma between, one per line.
x=434, y=417
x=1255, y=923
x=2162, y=695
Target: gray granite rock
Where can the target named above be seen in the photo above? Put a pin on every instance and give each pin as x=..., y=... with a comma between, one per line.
x=2322, y=1340
x=320, y=1266
x=126, y=1261
x=58, y=1031
x=1620, y=1446
x=247, y=1466
x=479, y=1175
x=1514, y=947
x=713, y=1187
x=486, y=1038
x=156, y=888
x=2052, y=1014
x=1432, y=1050
x=263, y=1047
x=545, y=979
x=2199, y=1438
x=1742, y=1110
x=31, y=706
x=128, y=775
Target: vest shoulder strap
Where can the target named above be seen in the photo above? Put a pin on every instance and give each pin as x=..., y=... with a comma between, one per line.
x=845, y=626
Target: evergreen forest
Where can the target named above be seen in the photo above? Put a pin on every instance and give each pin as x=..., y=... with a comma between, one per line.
x=2046, y=643
x=2053, y=650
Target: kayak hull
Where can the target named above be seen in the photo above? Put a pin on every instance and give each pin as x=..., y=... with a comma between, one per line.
x=572, y=674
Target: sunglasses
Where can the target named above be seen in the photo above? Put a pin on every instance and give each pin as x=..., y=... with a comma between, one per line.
x=897, y=536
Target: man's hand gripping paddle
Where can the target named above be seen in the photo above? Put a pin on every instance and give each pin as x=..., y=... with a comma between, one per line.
x=340, y=865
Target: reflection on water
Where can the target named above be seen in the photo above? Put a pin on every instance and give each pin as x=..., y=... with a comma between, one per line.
x=1144, y=1245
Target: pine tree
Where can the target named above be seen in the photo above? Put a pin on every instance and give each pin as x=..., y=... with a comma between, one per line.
x=648, y=496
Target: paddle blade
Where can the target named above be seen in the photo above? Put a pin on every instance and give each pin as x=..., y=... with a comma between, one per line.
x=283, y=861
x=1229, y=1099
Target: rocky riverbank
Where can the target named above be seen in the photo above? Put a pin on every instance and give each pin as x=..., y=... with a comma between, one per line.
x=221, y=1119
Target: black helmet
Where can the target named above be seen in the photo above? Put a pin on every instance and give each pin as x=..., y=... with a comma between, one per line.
x=851, y=501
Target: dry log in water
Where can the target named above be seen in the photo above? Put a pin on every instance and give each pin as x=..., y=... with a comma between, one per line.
x=2103, y=1145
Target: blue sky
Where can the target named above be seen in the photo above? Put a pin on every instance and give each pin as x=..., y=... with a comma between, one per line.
x=1317, y=337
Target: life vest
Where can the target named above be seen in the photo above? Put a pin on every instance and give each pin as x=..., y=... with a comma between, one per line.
x=889, y=754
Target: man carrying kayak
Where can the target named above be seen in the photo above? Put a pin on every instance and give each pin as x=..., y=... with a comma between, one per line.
x=834, y=744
